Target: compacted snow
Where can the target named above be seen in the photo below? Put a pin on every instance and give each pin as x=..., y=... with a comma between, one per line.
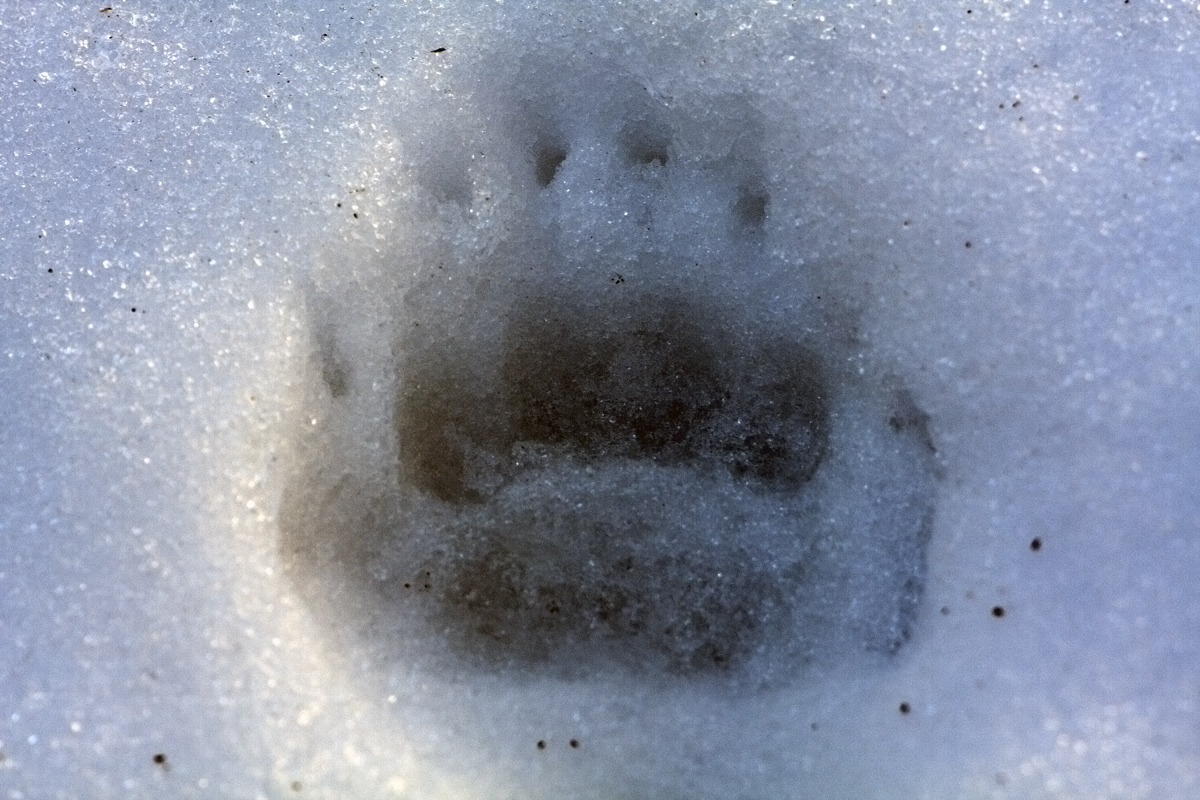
x=603, y=400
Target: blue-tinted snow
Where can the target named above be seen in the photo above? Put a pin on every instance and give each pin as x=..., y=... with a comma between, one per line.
x=204, y=166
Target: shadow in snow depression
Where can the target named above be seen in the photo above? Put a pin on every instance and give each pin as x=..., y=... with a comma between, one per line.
x=609, y=469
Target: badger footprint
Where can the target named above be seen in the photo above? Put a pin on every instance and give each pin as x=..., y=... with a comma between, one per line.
x=604, y=453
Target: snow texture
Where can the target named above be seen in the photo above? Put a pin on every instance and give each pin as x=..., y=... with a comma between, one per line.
x=603, y=400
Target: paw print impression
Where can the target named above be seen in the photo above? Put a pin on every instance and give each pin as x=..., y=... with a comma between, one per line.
x=606, y=451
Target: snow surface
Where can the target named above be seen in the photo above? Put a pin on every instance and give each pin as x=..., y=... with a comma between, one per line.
x=221, y=226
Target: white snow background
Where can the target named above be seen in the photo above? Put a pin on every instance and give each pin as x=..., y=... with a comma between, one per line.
x=196, y=198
